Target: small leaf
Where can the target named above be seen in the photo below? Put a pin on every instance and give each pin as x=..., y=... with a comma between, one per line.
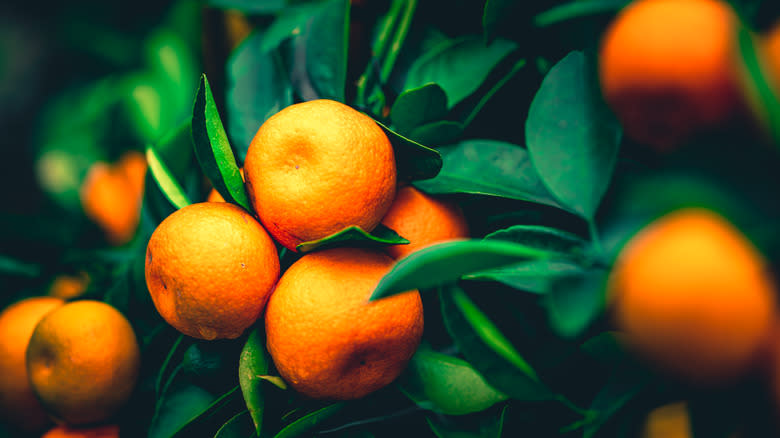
x=575, y=301
x=469, y=56
x=252, y=364
x=569, y=123
x=491, y=168
x=320, y=53
x=488, y=350
x=177, y=409
x=213, y=149
x=415, y=161
x=417, y=106
x=542, y=237
x=167, y=183
x=354, y=235
x=535, y=276
x=447, y=384
x=446, y=262
x=274, y=380
x=238, y=426
x=308, y=422
x=257, y=88
x=216, y=407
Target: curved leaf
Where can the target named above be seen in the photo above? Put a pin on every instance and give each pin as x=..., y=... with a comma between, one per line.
x=310, y=421
x=213, y=149
x=178, y=408
x=352, y=236
x=446, y=262
x=542, y=237
x=575, y=301
x=437, y=133
x=414, y=161
x=569, y=123
x=536, y=276
x=165, y=180
x=447, y=384
x=238, y=426
x=215, y=408
x=488, y=167
x=417, y=106
x=253, y=363
x=577, y=9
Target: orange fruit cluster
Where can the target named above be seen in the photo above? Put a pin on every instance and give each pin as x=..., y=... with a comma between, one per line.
x=73, y=363
x=312, y=169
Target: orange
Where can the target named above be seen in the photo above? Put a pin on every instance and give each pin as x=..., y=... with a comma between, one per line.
x=326, y=339
x=83, y=361
x=210, y=268
x=423, y=220
x=111, y=195
x=214, y=195
x=670, y=68
x=693, y=297
x=317, y=167
x=69, y=286
x=64, y=431
x=668, y=421
x=18, y=405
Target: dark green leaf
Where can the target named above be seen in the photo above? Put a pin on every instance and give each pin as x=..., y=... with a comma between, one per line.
x=257, y=88
x=437, y=133
x=488, y=427
x=175, y=149
x=288, y=22
x=488, y=350
x=542, y=237
x=575, y=301
x=604, y=348
x=535, y=276
x=320, y=53
x=414, y=161
x=417, y=106
x=165, y=180
x=446, y=262
x=469, y=56
x=213, y=149
x=622, y=385
x=572, y=137
x=177, y=409
x=352, y=236
x=760, y=90
x=163, y=368
x=217, y=407
x=577, y=9
x=239, y=426
x=447, y=384
x=12, y=266
x=309, y=421
x=252, y=364
x=488, y=167
x=497, y=12
x=250, y=6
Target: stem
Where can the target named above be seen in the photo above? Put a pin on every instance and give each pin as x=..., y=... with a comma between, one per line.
x=594, y=237
x=398, y=40
x=165, y=364
x=378, y=49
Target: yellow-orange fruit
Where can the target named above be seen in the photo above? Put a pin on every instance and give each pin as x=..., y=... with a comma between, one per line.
x=18, y=405
x=693, y=296
x=210, y=268
x=671, y=68
x=423, y=220
x=64, y=431
x=83, y=362
x=317, y=167
x=111, y=195
x=326, y=339
x=69, y=286
x=668, y=421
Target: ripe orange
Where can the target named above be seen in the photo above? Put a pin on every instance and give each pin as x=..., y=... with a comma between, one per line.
x=326, y=339
x=693, y=296
x=668, y=421
x=317, y=167
x=18, y=405
x=210, y=268
x=670, y=68
x=111, y=195
x=83, y=361
x=64, y=431
x=69, y=286
x=423, y=220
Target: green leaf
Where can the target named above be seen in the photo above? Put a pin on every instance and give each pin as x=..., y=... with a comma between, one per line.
x=605, y=348
x=488, y=427
x=761, y=93
x=578, y=9
x=177, y=409
x=320, y=53
x=488, y=350
x=250, y=6
x=12, y=266
x=488, y=167
x=253, y=363
x=414, y=161
x=536, y=276
x=167, y=183
x=469, y=56
x=417, y=106
x=569, y=123
x=257, y=88
x=213, y=149
x=446, y=262
x=354, y=236
x=239, y=426
x=288, y=22
x=498, y=12
x=447, y=384
x=215, y=408
x=575, y=301
x=622, y=386
x=437, y=133
x=308, y=422
x=542, y=237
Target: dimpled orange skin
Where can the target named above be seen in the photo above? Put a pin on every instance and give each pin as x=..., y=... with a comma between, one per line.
x=18, y=405
x=423, y=220
x=669, y=68
x=83, y=361
x=210, y=268
x=317, y=167
x=693, y=296
x=326, y=339
x=64, y=431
